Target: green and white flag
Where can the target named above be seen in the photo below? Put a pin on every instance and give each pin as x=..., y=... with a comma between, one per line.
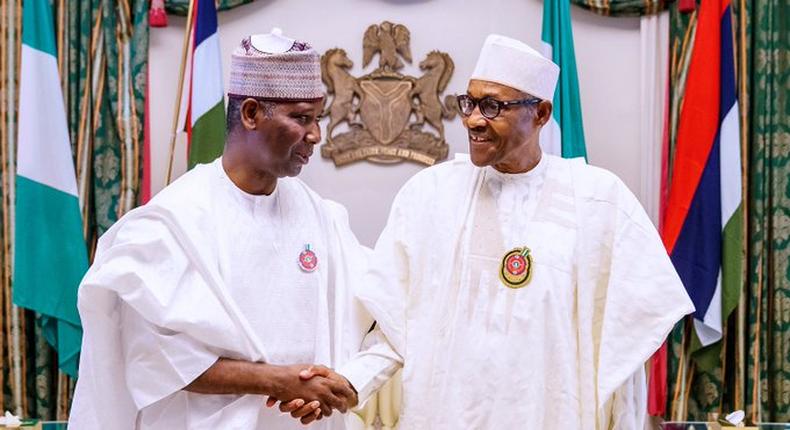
x=206, y=123
x=50, y=257
x=564, y=134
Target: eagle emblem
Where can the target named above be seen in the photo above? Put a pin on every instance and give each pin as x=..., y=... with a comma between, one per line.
x=388, y=40
x=386, y=116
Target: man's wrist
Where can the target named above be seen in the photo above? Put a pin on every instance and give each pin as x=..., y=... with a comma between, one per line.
x=355, y=401
x=353, y=388
x=270, y=379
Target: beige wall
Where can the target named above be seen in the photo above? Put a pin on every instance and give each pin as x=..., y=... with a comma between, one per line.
x=607, y=53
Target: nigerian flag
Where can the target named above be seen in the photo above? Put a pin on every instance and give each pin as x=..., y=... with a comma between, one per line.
x=206, y=123
x=564, y=134
x=49, y=250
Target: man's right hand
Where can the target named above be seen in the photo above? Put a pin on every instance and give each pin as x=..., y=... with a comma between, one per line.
x=230, y=376
x=320, y=384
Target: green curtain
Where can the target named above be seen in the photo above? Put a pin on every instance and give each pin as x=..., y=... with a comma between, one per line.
x=601, y=7
x=623, y=7
x=753, y=367
x=102, y=54
x=180, y=7
x=768, y=51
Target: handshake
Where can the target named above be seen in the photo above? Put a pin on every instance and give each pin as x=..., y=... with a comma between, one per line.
x=310, y=392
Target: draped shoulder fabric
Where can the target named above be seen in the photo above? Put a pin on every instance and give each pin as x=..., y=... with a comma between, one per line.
x=567, y=349
x=198, y=274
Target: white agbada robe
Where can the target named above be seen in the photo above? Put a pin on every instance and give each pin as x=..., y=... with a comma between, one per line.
x=206, y=271
x=564, y=352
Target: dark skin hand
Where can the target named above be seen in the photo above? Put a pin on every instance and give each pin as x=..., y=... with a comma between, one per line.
x=272, y=142
x=308, y=413
x=228, y=376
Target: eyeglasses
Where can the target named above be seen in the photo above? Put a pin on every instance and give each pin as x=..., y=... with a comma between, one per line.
x=489, y=106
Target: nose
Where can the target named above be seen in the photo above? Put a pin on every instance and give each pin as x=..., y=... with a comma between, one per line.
x=475, y=119
x=313, y=135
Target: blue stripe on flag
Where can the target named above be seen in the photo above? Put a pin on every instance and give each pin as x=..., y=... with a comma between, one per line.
x=697, y=252
x=206, y=23
x=727, y=84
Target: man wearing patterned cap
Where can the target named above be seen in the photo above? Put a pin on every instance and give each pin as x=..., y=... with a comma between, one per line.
x=519, y=290
x=211, y=299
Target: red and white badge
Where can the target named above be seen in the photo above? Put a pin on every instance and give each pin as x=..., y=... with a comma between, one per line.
x=308, y=261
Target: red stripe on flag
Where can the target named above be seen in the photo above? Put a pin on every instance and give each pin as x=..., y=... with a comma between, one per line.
x=724, y=5
x=697, y=127
x=657, y=394
x=699, y=120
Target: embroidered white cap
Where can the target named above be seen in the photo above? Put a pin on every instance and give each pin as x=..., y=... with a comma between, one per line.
x=515, y=64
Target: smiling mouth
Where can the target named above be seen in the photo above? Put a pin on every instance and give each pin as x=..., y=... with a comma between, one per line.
x=478, y=139
x=303, y=158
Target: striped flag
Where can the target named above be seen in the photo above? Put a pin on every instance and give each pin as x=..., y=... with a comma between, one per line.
x=564, y=134
x=206, y=111
x=50, y=257
x=704, y=216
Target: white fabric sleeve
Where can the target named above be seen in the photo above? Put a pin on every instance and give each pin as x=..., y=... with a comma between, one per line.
x=385, y=290
x=643, y=298
x=372, y=367
x=384, y=295
x=172, y=326
x=158, y=362
x=629, y=403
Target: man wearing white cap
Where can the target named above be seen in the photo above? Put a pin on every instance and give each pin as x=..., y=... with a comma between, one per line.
x=518, y=290
x=211, y=299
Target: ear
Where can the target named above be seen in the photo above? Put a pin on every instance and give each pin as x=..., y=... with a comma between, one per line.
x=543, y=115
x=250, y=109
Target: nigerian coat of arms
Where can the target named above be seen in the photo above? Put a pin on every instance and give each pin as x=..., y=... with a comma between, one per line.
x=389, y=116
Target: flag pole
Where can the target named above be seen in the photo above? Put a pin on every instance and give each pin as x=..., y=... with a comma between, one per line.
x=179, y=91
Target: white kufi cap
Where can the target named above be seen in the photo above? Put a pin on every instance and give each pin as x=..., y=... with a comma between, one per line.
x=514, y=64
